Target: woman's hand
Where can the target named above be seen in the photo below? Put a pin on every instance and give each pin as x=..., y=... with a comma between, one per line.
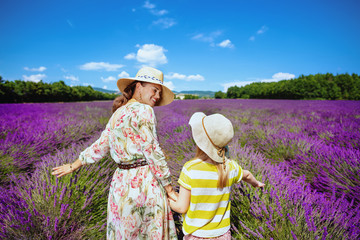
x=66, y=169
x=173, y=196
x=62, y=170
x=171, y=203
x=181, y=205
x=171, y=193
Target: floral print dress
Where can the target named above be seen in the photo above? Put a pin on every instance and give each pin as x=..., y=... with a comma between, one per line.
x=137, y=205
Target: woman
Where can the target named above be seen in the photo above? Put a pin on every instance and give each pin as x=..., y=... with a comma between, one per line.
x=137, y=205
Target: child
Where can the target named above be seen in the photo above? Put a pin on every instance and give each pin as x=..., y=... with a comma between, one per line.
x=205, y=182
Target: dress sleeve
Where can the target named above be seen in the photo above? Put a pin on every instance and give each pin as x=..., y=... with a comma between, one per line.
x=99, y=149
x=150, y=146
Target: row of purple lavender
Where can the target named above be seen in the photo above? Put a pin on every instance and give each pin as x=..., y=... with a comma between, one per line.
x=34, y=138
x=306, y=152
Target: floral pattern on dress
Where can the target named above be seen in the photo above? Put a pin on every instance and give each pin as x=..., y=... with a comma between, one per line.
x=137, y=204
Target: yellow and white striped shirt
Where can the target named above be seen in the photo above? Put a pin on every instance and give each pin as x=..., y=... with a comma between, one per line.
x=209, y=211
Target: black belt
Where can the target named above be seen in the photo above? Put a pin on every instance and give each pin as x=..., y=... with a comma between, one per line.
x=138, y=163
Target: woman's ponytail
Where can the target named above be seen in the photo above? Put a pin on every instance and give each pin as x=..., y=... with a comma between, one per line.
x=125, y=97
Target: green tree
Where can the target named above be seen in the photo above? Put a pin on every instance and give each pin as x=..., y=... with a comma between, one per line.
x=191, y=96
x=220, y=95
x=318, y=86
x=233, y=92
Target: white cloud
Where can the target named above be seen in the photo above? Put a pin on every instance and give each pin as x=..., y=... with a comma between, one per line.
x=72, y=78
x=159, y=12
x=262, y=30
x=165, y=22
x=279, y=76
x=176, y=76
x=170, y=85
x=283, y=76
x=179, y=76
x=275, y=78
x=130, y=56
x=238, y=83
x=149, y=5
x=226, y=44
x=151, y=55
x=108, y=79
x=123, y=74
x=40, y=69
x=101, y=66
x=196, y=77
x=199, y=36
x=70, y=23
x=210, y=38
x=104, y=87
x=153, y=10
x=203, y=38
x=34, y=78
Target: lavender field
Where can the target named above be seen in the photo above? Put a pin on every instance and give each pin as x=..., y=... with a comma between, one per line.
x=306, y=152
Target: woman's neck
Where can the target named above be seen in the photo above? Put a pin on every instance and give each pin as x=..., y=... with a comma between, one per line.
x=132, y=100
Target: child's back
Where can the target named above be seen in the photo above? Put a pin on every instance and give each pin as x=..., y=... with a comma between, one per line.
x=209, y=211
x=206, y=181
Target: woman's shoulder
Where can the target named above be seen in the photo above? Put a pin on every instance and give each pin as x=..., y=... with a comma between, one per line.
x=142, y=107
x=141, y=110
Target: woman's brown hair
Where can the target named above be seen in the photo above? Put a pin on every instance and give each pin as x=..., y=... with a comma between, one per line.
x=125, y=97
x=222, y=173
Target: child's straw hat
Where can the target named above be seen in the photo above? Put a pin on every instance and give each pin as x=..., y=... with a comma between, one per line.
x=211, y=134
x=151, y=75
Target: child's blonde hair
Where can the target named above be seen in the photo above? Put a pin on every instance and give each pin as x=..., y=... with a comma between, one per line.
x=223, y=173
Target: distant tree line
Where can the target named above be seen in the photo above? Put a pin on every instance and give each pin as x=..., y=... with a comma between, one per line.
x=191, y=96
x=25, y=91
x=319, y=86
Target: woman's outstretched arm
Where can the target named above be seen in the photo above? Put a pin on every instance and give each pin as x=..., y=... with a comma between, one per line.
x=66, y=168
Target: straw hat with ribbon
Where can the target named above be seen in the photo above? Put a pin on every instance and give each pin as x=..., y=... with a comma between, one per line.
x=151, y=75
x=211, y=134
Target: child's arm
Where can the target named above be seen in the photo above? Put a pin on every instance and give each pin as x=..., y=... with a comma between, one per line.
x=183, y=201
x=249, y=178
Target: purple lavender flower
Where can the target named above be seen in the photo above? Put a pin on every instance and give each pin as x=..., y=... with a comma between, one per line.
x=293, y=235
x=305, y=151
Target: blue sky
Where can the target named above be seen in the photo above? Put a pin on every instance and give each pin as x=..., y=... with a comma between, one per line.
x=199, y=45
